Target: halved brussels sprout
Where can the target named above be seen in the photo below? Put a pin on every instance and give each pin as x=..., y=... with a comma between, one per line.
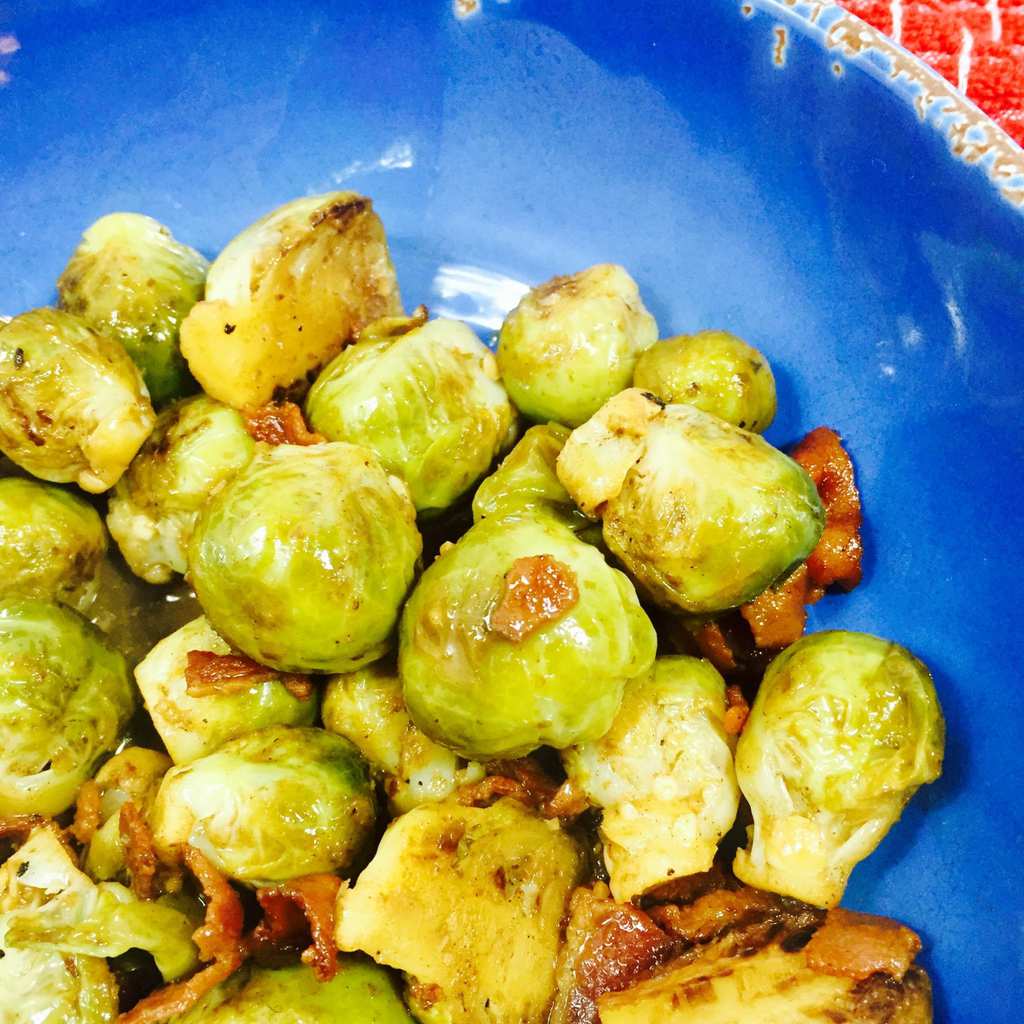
x=129, y=279
x=197, y=445
x=573, y=342
x=714, y=371
x=844, y=730
x=73, y=407
x=40, y=987
x=366, y=707
x=65, y=700
x=486, y=691
x=469, y=903
x=52, y=543
x=664, y=776
x=270, y=806
x=194, y=726
x=702, y=514
x=286, y=294
x=425, y=398
x=303, y=559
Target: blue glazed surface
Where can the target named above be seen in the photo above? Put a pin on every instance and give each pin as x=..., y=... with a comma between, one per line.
x=808, y=210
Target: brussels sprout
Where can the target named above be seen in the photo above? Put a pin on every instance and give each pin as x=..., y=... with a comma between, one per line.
x=425, y=398
x=65, y=699
x=286, y=294
x=192, y=727
x=270, y=806
x=468, y=902
x=472, y=688
x=844, y=730
x=129, y=279
x=573, y=342
x=360, y=993
x=702, y=514
x=51, y=543
x=366, y=707
x=73, y=407
x=39, y=987
x=303, y=559
x=714, y=371
x=663, y=774
x=197, y=445
x=46, y=903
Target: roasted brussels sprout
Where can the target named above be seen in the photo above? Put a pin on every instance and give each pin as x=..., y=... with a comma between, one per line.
x=65, y=699
x=129, y=279
x=468, y=902
x=360, y=993
x=51, y=543
x=303, y=559
x=270, y=805
x=573, y=342
x=196, y=446
x=366, y=707
x=286, y=294
x=714, y=371
x=73, y=407
x=38, y=987
x=520, y=635
x=844, y=730
x=425, y=398
x=702, y=514
x=664, y=776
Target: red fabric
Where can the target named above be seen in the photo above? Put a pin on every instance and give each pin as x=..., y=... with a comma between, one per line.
x=937, y=31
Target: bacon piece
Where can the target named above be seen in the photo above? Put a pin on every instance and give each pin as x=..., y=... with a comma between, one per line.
x=316, y=896
x=175, y=999
x=208, y=674
x=524, y=780
x=567, y=802
x=837, y=557
x=713, y=645
x=538, y=589
x=21, y=824
x=280, y=423
x=494, y=787
x=139, y=850
x=737, y=710
x=855, y=945
x=87, y=812
x=713, y=913
x=777, y=616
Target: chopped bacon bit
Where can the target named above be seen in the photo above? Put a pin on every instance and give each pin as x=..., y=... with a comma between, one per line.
x=777, y=616
x=175, y=999
x=854, y=945
x=280, y=423
x=525, y=781
x=284, y=925
x=87, y=812
x=208, y=674
x=538, y=589
x=21, y=824
x=712, y=644
x=316, y=896
x=567, y=802
x=713, y=913
x=139, y=850
x=493, y=787
x=688, y=888
x=837, y=557
x=737, y=710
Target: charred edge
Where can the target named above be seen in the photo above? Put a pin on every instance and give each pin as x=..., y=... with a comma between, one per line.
x=341, y=214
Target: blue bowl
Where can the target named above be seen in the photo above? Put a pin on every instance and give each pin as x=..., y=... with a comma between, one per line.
x=772, y=168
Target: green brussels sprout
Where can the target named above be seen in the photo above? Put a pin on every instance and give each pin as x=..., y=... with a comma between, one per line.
x=286, y=294
x=714, y=371
x=366, y=707
x=664, y=776
x=844, y=729
x=486, y=691
x=192, y=727
x=47, y=903
x=703, y=515
x=40, y=987
x=270, y=806
x=360, y=993
x=196, y=446
x=52, y=543
x=303, y=559
x=129, y=279
x=65, y=700
x=425, y=398
x=573, y=342
x=73, y=407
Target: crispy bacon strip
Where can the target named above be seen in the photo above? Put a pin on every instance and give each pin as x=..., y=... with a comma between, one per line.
x=316, y=896
x=87, y=812
x=538, y=589
x=777, y=616
x=139, y=850
x=712, y=913
x=855, y=945
x=208, y=674
x=737, y=710
x=280, y=423
x=175, y=999
x=20, y=825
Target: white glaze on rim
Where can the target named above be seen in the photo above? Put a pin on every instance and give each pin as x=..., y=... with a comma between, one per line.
x=972, y=135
